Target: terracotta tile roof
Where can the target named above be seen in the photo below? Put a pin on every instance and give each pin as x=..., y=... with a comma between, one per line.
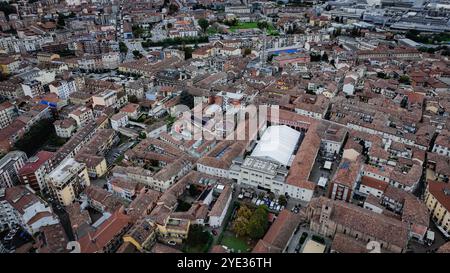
x=160, y=248
x=445, y=248
x=279, y=233
x=130, y=108
x=346, y=244
x=347, y=173
x=222, y=154
x=219, y=206
x=437, y=190
x=38, y=216
x=143, y=204
x=374, y=183
x=218, y=249
x=96, y=241
x=31, y=166
x=415, y=211
x=20, y=197
x=53, y=239
x=374, y=224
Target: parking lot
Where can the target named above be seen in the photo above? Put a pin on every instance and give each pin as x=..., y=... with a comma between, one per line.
x=259, y=197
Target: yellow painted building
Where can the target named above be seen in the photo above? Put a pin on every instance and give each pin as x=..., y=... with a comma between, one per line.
x=44, y=57
x=174, y=229
x=8, y=65
x=437, y=199
x=142, y=235
x=68, y=180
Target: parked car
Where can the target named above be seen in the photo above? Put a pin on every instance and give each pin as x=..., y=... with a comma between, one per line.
x=172, y=243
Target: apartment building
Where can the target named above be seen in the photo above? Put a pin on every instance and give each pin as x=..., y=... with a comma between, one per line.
x=33, y=88
x=20, y=205
x=68, y=180
x=10, y=165
x=106, y=98
x=442, y=144
x=65, y=128
x=119, y=120
x=82, y=115
x=437, y=199
x=63, y=88
x=7, y=113
x=34, y=171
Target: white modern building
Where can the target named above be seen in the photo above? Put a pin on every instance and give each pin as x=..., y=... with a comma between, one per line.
x=267, y=166
x=106, y=98
x=119, y=120
x=63, y=88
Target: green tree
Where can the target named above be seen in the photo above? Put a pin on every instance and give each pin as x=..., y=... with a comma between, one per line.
x=382, y=75
x=137, y=54
x=240, y=225
x=138, y=31
x=258, y=222
x=262, y=25
x=247, y=52
x=254, y=229
x=36, y=137
x=142, y=135
x=193, y=190
x=404, y=79
x=244, y=212
x=197, y=236
x=232, y=22
x=203, y=23
x=123, y=47
x=188, y=52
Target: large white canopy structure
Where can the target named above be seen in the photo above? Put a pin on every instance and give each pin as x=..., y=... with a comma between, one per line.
x=277, y=143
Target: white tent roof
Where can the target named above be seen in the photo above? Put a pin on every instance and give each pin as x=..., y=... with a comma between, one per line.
x=277, y=143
